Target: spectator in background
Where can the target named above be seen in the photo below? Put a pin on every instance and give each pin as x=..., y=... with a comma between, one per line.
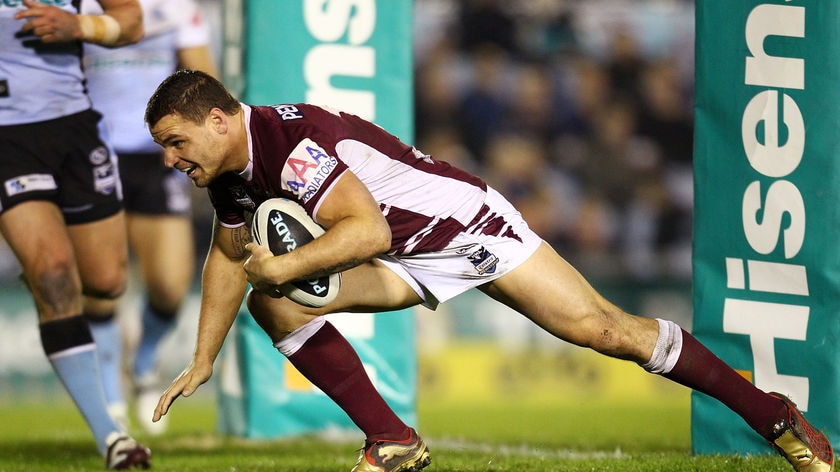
x=534, y=104
x=60, y=208
x=518, y=168
x=439, y=89
x=487, y=22
x=625, y=64
x=157, y=199
x=484, y=106
x=665, y=117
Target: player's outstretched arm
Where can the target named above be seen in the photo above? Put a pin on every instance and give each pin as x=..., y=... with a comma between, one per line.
x=121, y=23
x=223, y=286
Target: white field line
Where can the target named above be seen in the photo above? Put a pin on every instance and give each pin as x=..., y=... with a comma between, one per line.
x=521, y=450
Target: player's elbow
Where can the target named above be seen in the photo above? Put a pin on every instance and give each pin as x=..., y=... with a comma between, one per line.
x=135, y=35
x=131, y=32
x=131, y=27
x=378, y=240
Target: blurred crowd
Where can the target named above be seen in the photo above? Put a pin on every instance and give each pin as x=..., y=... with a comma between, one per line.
x=580, y=111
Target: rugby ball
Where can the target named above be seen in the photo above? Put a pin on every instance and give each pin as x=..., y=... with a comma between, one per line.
x=282, y=226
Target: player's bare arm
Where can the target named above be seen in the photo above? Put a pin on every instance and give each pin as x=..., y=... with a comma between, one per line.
x=223, y=286
x=356, y=232
x=120, y=24
x=197, y=58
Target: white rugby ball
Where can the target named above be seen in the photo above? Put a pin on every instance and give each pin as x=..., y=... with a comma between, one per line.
x=282, y=226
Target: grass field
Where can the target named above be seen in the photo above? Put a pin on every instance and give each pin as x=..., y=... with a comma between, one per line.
x=50, y=436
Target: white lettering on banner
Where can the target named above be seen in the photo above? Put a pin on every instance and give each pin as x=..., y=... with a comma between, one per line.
x=763, y=69
x=328, y=22
x=770, y=277
x=764, y=323
x=778, y=216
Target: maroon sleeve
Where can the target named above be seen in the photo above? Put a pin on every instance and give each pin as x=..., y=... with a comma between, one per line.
x=227, y=210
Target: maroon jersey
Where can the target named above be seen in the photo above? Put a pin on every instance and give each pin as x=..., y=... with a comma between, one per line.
x=298, y=151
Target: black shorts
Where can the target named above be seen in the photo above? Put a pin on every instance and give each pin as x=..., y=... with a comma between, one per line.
x=63, y=161
x=149, y=188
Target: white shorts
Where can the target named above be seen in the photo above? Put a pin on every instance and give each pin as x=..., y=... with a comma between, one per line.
x=471, y=258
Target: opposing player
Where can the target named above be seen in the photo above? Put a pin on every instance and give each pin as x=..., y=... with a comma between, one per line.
x=405, y=229
x=157, y=199
x=60, y=203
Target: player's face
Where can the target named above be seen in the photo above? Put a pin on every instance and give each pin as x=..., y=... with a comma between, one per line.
x=194, y=149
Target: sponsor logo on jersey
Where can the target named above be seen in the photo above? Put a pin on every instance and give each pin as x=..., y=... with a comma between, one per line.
x=19, y=3
x=105, y=178
x=98, y=156
x=241, y=197
x=288, y=112
x=29, y=183
x=483, y=260
x=306, y=169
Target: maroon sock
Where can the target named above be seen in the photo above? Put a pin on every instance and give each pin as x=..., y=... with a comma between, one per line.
x=328, y=361
x=701, y=370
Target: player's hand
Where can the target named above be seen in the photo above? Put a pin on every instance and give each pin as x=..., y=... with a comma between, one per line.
x=255, y=269
x=50, y=23
x=185, y=384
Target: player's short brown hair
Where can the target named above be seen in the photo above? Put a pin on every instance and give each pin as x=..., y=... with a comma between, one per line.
x=190, y=94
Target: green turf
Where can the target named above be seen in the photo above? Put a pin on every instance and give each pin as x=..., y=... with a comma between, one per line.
x=49, y=436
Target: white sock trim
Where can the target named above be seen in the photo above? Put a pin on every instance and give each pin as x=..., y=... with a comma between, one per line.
x=73, y=351
x=297, y=338
x=667, y=350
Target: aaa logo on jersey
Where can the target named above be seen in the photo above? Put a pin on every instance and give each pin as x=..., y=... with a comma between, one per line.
x=306, y=169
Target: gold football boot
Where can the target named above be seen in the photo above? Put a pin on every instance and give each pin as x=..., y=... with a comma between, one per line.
x=410, y=455
x=807, y=449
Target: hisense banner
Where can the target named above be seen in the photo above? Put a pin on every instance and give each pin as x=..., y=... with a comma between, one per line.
x=356, y=57
x=767, y=201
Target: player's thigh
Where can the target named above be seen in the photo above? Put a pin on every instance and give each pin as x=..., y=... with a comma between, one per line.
x=163, y=247
x=369, y=288
x=36, y=233
x=553, y=294
x=101, y=255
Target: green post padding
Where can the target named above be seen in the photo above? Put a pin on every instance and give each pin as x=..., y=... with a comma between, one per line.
x=354, y=57
x=766, y=257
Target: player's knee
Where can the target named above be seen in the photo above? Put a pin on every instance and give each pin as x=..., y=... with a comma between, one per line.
x=252, y=302
x=256, y=302
x=277, y=317
x=165, y=298
x=601, y=331
x=54, y=281
x=107, y=284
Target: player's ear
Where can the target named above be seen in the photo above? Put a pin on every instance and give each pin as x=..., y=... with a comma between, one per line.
x=218, y=120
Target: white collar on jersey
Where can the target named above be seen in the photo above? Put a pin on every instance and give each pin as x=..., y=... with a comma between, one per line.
x=249, y=169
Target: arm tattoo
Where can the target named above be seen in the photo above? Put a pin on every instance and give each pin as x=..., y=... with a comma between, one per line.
x=340, y=267
x=239, y=237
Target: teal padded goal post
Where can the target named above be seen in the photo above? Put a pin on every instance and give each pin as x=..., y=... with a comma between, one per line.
x=767, y=208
